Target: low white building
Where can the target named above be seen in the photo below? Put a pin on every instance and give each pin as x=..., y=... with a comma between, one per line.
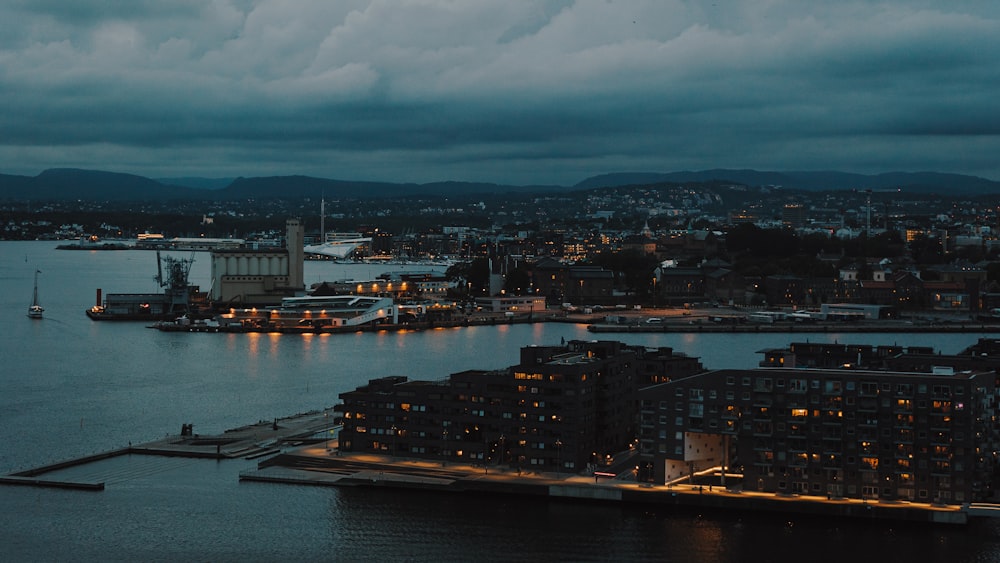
x=517, y=304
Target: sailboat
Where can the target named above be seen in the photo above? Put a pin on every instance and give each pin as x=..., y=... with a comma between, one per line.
x=35, y=310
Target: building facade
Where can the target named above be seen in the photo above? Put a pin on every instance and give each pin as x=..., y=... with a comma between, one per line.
x=246, y=276
x=562, y=408
x=874, y=435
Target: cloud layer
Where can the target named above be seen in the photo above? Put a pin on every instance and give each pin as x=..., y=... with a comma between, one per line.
x=519, y=92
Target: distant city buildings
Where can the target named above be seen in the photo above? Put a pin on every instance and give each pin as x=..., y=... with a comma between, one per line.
x=912, y=250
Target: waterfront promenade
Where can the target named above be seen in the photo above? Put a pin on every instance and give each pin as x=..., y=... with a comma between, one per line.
x=650, y=320
x=321, y=466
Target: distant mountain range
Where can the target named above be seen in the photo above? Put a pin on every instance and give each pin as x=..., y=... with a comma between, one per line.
x=94, y=185
x=928, y=182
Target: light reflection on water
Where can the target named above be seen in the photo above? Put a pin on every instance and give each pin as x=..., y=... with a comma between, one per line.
x=70, y=386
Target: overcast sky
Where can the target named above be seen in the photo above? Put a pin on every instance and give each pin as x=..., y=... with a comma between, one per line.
x=498, y=91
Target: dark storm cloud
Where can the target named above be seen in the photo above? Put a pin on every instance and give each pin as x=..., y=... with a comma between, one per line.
x=497, y=91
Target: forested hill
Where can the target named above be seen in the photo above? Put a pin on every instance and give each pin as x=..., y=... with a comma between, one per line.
x=928, y=182
x=96, y=185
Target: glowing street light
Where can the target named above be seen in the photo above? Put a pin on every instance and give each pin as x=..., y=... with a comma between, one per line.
x=559, y=445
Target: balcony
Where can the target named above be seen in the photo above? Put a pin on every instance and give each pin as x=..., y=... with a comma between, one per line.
x=867, y=405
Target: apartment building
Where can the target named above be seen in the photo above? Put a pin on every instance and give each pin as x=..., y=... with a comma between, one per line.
x=879, y=435
x=565, y=407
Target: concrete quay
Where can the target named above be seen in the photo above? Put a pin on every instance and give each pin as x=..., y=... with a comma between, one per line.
x=795, y=328
x=320, y=466
x=479, y=319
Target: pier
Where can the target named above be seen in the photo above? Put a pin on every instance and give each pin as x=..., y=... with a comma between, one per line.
x=251, y=441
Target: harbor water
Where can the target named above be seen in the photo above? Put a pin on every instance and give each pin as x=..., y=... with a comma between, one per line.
x=70, y=386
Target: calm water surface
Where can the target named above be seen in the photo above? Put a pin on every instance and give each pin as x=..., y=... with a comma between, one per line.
x=70, y=386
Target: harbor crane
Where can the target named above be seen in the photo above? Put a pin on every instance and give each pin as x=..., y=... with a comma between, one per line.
x=177, y=287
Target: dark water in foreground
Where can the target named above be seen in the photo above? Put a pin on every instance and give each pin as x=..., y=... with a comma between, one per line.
x=69, y=386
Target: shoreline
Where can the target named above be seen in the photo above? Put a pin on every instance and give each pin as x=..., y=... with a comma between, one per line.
x=595, y=326
x=302, y=450
x=317, y=466
x=799, y=328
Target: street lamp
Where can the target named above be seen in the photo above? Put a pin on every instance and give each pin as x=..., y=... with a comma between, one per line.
x=558, y=456
x=444, y=447
x=501, y=441
x=326, y=428
x=393, y=440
